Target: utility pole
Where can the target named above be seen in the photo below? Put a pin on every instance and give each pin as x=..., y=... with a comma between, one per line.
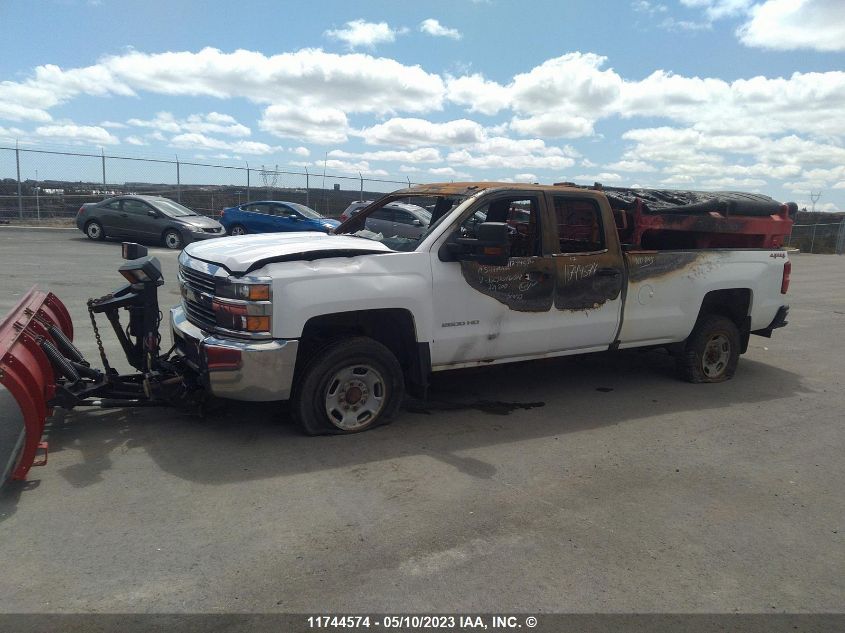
x=37, y=202
x=18, y=165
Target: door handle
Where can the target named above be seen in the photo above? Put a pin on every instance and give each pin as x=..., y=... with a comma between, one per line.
x=608, y=272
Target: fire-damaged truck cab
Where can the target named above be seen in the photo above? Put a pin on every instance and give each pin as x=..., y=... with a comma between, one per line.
x=341, y=324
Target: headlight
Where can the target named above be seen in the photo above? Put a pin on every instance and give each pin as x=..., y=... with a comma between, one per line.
x=243, y=291
x=243, y=305
x=245, y=317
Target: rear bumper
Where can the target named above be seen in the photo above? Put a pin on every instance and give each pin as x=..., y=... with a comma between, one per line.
x=778, y=321
x=230, y=368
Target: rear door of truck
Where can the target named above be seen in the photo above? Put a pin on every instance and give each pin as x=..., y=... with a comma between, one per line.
x=589, y=269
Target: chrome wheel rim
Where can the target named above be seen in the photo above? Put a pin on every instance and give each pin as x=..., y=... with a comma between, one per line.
x=354, y=397
x=94, y=231
x=238, y=230
x=716, y=355
x=172, y=240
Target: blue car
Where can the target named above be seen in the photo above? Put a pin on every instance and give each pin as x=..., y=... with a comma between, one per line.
x=273, y=216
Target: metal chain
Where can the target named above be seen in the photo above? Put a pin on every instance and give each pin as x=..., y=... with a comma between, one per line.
x=106, y=367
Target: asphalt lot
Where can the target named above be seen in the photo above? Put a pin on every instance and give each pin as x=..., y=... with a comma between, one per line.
x=654, y=496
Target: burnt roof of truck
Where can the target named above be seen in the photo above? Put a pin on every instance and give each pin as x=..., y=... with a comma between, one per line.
x=653, y=200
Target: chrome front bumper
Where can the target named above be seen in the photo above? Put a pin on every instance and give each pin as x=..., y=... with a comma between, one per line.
x=240, y=370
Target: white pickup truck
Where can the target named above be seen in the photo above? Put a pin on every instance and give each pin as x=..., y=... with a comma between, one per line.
x=341, y=324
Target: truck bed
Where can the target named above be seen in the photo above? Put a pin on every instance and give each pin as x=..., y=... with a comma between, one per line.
x=667, y=219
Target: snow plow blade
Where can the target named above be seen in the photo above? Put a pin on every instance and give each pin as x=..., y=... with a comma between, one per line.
x=27, y=379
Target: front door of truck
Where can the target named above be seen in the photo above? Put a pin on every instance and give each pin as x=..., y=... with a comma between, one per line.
x=589, y=268
x=484, y=312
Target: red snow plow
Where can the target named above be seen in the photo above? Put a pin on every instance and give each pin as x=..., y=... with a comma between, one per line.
x=27, y=377
x=41, y=368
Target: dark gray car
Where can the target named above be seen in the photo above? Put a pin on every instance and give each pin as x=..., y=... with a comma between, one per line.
x=146, y=218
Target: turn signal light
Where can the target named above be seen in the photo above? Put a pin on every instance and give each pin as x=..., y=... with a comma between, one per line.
x=258, y=324
x=258, y=292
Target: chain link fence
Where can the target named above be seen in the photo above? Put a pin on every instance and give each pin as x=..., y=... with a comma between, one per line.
x=45, y=185
x=818, y=238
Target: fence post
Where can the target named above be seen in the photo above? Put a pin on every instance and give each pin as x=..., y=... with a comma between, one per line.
x=840, y=239
x=307, y=189
x=247, y=183
x=361, y=195
x=103, y=158
x=178, y=181
x=813, y=239
x=20, y=195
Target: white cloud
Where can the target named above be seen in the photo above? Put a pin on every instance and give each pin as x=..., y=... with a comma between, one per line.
x=644, y=6
x=11, y=133
x=506, y=153
x=602, y=177
x=301, y=151
x=421, y=155
x=135, y=140
x=82, y=134
x=718, y=9
x=631, y=165
x=362, y=33
x=477, y=93
x=322, y=125
x=194, y=140
x=529, y=178
x=795, y=24
x=447, y=172
x=413, y=132
x=434, y=28
x=211, y=123
x=305, y=78
x=363, y=167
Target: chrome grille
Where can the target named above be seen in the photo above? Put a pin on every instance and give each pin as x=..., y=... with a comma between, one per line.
x=200, y=281
x=196, y=297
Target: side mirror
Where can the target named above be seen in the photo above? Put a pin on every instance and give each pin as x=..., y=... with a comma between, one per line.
x=417, y=223
x=491, y=246
x=152, y=213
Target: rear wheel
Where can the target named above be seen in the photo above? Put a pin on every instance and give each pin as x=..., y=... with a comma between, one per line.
x=349, y=386
x=237, y=230
x=94, y=231
x=172, y=239
x=711, y=352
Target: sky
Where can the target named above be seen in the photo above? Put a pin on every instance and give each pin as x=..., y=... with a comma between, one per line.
x=690, y=94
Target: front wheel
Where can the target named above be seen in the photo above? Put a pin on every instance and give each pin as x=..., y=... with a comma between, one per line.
x=711, y=352
x=172, y=239
x=349, y=386
x=237, y=230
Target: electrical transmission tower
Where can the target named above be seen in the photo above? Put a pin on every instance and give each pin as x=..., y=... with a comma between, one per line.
x=814, y=197
x=269, y=178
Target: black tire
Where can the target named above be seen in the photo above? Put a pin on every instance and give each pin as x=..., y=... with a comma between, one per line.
x=172, y=239
x=711, y=353
x=95, y=231
x=238, y=229
x=358, y=368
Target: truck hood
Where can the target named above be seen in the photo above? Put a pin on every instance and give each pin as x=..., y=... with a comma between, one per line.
x=244, y=253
